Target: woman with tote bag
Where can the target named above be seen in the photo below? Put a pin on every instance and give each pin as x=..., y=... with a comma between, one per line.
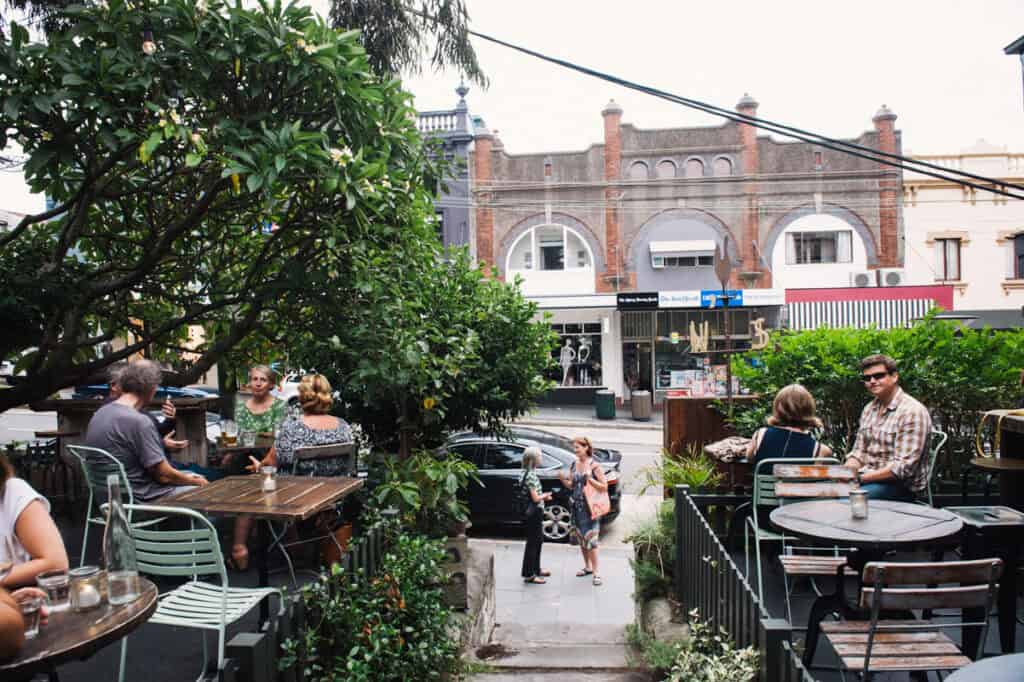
x=589, y=503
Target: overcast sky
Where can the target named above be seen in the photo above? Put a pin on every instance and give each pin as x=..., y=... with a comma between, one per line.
x=822, y=66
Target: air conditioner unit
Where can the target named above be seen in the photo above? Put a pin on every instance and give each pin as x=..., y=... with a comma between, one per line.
x=892, y=277
x=863, y=278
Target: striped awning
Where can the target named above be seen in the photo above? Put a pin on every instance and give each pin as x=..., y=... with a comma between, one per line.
x=884, y=314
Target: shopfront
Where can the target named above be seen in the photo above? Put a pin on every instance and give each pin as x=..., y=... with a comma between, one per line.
x=677, y=341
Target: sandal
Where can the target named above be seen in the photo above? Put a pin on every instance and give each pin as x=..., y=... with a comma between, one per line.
x=536, y=580
x=239, y=560
x=597, y=581
x=583, y=572
x=545, y=574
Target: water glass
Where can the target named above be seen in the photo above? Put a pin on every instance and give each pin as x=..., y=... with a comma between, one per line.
x=269, y=478
x=31, y=610
x=247, y=438
x=56, y=585
x=86, y=590
x=859, y=504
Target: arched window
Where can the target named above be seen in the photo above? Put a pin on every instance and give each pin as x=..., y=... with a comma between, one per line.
x=666, y=169
x=695, y=168
x=550, y=247
x=723, y=167
x=638, y=171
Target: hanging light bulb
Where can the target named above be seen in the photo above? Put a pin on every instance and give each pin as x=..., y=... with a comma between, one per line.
x=148, y=44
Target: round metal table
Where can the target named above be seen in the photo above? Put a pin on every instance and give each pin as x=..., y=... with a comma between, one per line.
x=1008, y=668
x=71, y=636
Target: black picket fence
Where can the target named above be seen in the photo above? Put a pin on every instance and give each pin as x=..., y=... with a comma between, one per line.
x=255, y=656
x=708, y=580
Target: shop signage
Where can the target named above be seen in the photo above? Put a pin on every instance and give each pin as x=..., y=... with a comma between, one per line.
x=712, y=298
x=716, y=298
x=678, y=299
x=637, y=300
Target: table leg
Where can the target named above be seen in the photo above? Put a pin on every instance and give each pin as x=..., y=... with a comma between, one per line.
x=1007, y=598
x=262, y=560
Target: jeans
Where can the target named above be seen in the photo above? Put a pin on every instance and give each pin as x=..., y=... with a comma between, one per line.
x=888, y=490
x=534, y=523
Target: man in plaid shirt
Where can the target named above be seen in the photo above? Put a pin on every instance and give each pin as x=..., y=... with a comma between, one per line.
x=889, y=453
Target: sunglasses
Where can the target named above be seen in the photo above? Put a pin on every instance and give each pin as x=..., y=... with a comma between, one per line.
x=877, y=376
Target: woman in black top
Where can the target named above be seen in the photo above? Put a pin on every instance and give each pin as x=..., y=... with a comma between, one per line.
x=789, y=426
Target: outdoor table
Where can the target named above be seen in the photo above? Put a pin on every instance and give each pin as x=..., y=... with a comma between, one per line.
x=71, y=636
x=890, y=525
x=995, y=532
x=1011, y=478
x=239, y=457
x=296, y=498
x=996, y=669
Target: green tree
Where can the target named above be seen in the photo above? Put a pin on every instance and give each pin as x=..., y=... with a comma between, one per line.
x=223, y=180
x=425, y=347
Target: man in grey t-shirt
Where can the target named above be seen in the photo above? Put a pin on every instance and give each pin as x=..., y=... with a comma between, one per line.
x=125, y=432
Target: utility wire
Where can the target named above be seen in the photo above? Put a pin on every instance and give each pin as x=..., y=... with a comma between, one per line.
x=850, y=148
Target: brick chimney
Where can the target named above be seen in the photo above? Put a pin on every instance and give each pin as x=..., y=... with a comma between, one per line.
x=484, y=142
x=888, y=216
x=612, y=114
x=751, y=165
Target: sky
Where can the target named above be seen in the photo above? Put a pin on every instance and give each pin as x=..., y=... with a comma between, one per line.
x=823, y=66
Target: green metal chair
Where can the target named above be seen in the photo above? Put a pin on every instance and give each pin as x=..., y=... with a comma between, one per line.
x=765, y=498
x=936, y=441
x=191, y=553
x=96, y=465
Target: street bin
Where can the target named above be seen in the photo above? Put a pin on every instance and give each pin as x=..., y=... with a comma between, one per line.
x=640, y=402
x=604, y=404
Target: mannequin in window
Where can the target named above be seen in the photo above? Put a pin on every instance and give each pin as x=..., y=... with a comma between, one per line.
x=565, y=359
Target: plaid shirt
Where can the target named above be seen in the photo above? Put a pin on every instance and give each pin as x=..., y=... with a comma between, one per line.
x=895, y=435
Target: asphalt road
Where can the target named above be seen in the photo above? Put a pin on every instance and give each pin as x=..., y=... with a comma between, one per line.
x=21, y=424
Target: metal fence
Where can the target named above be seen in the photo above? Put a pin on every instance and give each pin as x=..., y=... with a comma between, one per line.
x=253, y=656
x=708, y=580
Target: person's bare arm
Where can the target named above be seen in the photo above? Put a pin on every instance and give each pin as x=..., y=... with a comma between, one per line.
x=824, y=451
x=164, y=473
x=12, y=627
x=755, y=443
x=38, y=534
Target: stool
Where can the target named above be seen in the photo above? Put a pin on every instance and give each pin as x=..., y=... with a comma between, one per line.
x=995, y=531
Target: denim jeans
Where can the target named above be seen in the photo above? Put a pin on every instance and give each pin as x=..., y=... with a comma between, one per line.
x=888, y=490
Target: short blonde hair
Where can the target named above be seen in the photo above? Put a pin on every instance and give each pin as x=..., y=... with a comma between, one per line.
x=794, y=406
x=315, y=394
x=531, y=458
x=265, y=370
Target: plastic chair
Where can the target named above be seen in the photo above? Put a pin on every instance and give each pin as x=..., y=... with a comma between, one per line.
x=191, y=553
x=936, y=441
x=765, y=497
x=96, y=465
x=343, y=452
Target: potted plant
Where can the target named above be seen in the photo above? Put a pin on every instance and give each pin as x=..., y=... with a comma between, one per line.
x=693, y=468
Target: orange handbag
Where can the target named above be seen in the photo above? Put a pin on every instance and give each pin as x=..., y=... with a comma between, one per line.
x=597, y=500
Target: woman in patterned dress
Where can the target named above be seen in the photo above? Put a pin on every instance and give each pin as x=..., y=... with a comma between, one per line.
x=315, y=427
x=585, y=471
x=262, y=412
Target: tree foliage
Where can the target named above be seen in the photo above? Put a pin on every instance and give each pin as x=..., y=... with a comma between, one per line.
x=396, y=34
x=223, y=181
x=955, y=371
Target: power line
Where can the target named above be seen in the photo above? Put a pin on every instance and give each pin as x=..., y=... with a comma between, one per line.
x=853, y=149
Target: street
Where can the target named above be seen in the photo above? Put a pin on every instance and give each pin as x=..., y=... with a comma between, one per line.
x=21, y=424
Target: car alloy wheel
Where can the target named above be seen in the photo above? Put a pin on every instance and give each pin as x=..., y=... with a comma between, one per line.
x=556, y=523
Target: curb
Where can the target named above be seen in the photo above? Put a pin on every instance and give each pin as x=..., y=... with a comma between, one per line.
x=590, y=424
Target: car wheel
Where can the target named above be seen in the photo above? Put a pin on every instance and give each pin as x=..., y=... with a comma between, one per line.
x=556, y=523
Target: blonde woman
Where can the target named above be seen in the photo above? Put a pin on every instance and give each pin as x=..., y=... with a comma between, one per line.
x=315, y=427
x=262, y=412
x=788, y=433
x=585, y=471
x=534, y=521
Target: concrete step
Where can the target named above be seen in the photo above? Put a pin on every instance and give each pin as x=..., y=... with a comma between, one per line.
x=562, y=676
x=549, y=657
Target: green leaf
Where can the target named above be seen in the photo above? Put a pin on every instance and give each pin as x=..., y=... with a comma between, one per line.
x=73, y=79
x=192, y=159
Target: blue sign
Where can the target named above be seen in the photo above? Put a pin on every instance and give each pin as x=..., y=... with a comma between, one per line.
x=715, y=298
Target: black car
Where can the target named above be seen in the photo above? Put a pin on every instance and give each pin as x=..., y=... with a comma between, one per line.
x=499, y=465
x=542, y=437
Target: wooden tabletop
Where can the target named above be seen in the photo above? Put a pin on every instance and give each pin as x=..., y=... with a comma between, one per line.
x=999, y=465
x=57, y=434
x=72, y=636
x=833, y=472
x=889, y=524
x=296, y=497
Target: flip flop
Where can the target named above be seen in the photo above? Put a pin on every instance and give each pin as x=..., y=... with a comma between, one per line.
x=583, y=573
x=545, y=574
x=536, y=580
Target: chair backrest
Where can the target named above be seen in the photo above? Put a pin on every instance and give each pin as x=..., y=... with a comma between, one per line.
x=812, y=481
x=41, y=453
x=764, y=477
x=344, y=452
x=185, y=553
x=936, y=441
x=97, y=464
x=907, y=586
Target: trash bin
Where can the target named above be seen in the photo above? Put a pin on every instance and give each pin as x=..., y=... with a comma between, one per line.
x=640, y=402
x=604, y=404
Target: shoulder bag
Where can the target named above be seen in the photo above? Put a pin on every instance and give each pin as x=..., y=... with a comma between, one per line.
x=598, y=500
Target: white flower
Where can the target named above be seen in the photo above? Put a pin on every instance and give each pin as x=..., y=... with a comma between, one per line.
x=174, y=116
x=341, y=156
x=309, y=49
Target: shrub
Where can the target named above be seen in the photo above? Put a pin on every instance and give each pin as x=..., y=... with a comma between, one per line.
x=425, y=489
x=657, y=655
x=694, y=469
x=654, y=542
x=386, y=628
x=709, y=656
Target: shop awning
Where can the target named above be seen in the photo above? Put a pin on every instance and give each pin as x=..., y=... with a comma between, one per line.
x=697, y=247
x=857, y=314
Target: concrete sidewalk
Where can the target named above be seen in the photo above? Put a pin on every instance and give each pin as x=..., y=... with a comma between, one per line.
x=585, y=416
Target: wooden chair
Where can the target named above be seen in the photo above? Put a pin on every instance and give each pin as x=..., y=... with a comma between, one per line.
x=345, y=453
x=797, y=482
x=879, y=645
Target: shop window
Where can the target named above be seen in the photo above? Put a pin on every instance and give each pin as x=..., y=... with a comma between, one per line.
x=666, y=169
x=947, y=259
x=683, y=261
x=578, y=354
x=695, y=168
x=638, y=171
x=550, y=247
x=1018, y=256
x=819, y=247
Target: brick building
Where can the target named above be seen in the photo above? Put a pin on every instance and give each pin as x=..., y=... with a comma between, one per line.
x=643, y=212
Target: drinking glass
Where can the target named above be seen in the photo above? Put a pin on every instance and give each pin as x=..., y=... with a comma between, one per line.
x=247, y=438
x=269, y=478
x=56, y=585
x=31, y=610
